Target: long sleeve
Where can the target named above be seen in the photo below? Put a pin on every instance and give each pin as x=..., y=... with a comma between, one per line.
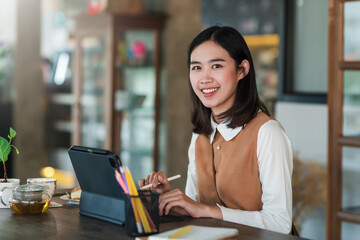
x=275, y=163
x=190, y=188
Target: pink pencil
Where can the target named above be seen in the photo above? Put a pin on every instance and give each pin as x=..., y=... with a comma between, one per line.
x=121, y=181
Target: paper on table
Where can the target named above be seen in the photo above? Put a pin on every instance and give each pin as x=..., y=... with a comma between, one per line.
x=55, y=204
x=198, y=233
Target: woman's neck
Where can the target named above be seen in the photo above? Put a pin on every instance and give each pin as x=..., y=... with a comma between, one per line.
x=217, y=119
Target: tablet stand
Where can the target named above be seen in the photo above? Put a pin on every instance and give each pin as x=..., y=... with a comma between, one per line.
x=102, y=207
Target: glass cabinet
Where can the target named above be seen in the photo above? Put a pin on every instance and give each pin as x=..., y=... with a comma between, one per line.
x=343, y=210
x=92, y=102
x=117, y=71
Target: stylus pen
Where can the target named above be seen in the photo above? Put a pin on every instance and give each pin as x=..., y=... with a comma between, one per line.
x=169, y=179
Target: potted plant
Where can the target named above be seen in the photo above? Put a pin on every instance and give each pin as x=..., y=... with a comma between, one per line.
x=6, y=184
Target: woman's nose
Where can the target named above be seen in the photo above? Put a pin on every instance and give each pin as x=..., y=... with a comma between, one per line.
x=206, y=77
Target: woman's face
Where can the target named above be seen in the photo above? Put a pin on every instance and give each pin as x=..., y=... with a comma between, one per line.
x=213, y=76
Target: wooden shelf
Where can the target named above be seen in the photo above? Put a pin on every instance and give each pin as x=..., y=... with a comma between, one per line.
x=350, y=65
x=63, y=126
x=350, y=215
x=354, y=209
x=138, y=151
x=265, y=40
x=62, y=98
x=349, y=141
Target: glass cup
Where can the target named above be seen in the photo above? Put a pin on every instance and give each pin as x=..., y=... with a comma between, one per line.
x=50, y=183
x=6, y=189
x=30, y=199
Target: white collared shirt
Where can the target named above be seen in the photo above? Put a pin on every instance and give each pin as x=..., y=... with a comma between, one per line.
x=275, y=161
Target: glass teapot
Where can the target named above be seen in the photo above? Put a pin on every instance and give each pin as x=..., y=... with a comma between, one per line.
x=29, y=199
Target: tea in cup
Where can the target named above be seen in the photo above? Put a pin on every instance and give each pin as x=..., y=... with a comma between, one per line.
x=48, y=182
x=30, y=199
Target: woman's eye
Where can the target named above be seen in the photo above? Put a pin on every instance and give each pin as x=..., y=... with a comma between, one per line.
x=216, y=66
x=195, y=68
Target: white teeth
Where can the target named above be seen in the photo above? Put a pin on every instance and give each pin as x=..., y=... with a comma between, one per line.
x=209, y=90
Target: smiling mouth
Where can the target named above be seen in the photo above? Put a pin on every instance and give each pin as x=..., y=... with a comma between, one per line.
x=209, y=90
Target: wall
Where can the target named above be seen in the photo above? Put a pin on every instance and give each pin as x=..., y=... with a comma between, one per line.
x=182, y=25
x=29, y=104
x=307, y=127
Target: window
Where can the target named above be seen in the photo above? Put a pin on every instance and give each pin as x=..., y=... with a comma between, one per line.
x=304, y=52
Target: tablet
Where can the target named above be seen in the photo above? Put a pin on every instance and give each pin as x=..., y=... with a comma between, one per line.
x=101, y=196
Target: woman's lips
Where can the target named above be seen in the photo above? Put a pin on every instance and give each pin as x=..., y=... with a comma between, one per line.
x=208, y=92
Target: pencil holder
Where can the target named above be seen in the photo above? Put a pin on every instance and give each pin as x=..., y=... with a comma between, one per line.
x=142, y=213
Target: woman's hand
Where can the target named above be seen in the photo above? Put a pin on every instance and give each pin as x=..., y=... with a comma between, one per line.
x=178, y=202
x=158, y=180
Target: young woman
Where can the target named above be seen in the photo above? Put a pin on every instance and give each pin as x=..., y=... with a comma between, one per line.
x=240, y=159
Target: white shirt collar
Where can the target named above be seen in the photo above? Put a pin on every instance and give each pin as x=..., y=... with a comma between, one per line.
x=226, y=132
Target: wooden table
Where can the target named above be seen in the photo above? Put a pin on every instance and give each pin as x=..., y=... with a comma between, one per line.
x=65, y=223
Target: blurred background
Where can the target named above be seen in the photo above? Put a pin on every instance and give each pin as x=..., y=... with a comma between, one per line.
x=112, y=74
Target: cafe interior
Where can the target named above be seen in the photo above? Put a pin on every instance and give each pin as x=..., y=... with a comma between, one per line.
x=112, y=74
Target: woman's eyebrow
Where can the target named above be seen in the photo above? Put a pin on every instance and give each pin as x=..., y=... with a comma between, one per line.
x=211, y=60
x=217, y=60
x=194, y=62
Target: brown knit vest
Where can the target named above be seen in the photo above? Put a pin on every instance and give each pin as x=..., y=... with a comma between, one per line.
x=230, y=176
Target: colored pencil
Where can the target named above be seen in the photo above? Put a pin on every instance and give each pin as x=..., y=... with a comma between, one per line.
x=180, y=232
x=138, y=203
x=125, y=188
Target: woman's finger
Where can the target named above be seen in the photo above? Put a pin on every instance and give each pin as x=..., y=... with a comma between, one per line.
x=141, y=182
x=166, y=198
x=147, y=180
x=174, y=192
x=159, y=179
x=180, y=211
x=151, y=177
x=177, y=204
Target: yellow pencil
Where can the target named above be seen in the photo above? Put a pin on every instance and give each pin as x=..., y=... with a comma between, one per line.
x=137, y=218
x=180, y=232
x=138, y=203
x=143, y=216
x=133, y=203
x=141, y=212
x=136, y=213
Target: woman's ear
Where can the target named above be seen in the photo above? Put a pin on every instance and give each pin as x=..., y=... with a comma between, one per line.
x=244, y=69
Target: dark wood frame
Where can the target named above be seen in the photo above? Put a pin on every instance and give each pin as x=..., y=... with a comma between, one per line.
x=337, y=65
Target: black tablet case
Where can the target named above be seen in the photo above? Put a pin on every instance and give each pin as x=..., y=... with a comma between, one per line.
x=101, y=196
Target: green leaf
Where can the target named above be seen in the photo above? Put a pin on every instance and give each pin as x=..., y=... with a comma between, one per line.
x=17, y=151
x=12, y=132
x=4, y=149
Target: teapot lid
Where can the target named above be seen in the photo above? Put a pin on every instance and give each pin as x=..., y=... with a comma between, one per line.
x=30, y=187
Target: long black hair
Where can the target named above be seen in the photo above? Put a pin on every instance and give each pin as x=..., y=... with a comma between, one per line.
x=247, y=102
